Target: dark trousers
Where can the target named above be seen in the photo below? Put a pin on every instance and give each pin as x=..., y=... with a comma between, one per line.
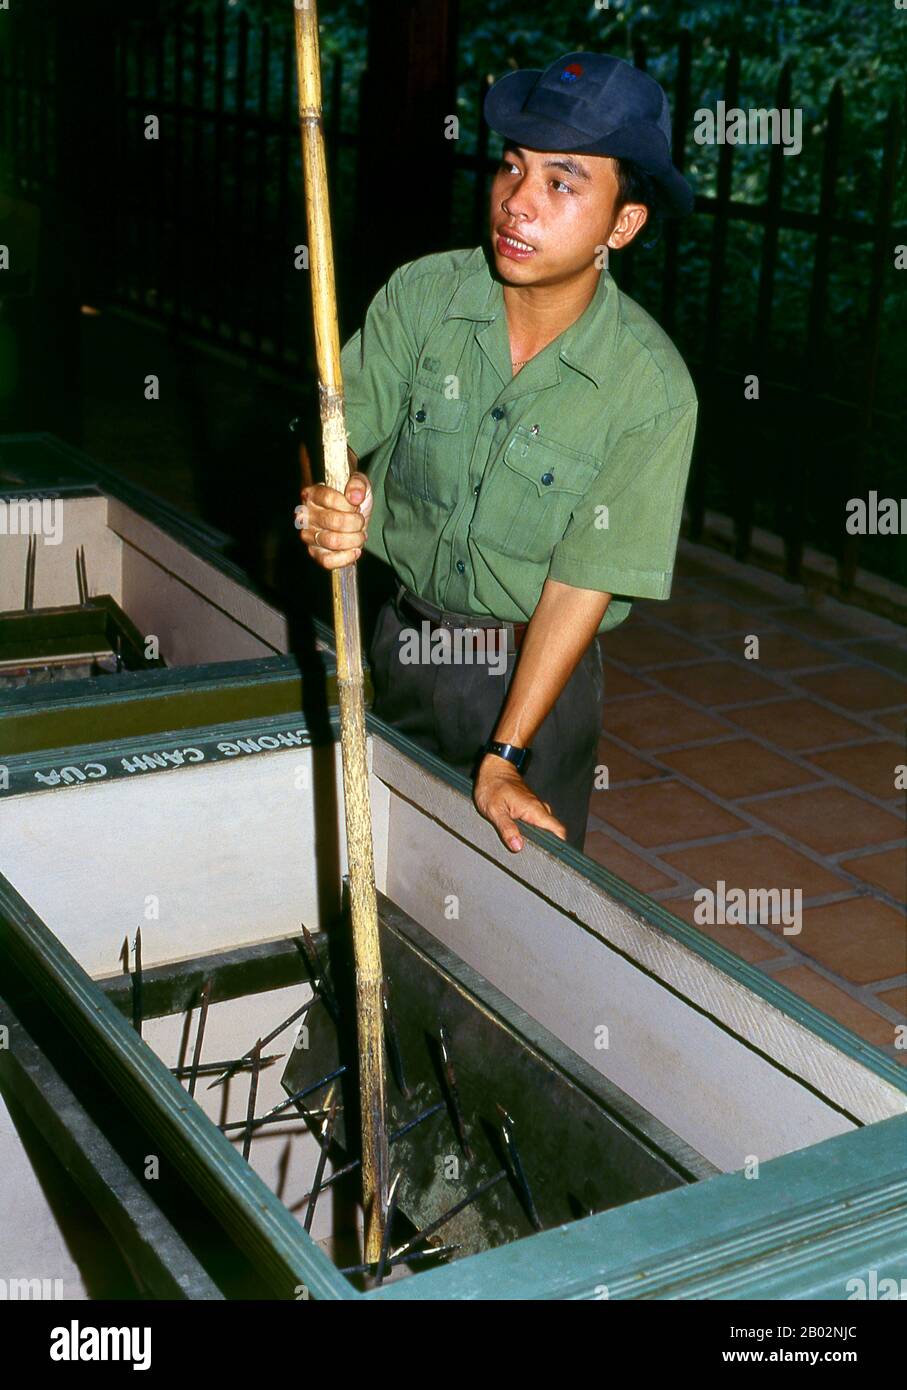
x=451, y=709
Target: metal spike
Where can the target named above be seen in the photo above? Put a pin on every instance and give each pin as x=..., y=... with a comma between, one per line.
x=507, y=1129
x=392, y=1042
x=31, y=559
x=354, y=1163
x=389, y=1214
x=327, y=1135
x=306, y=1091
x=318, y=977
x=436, y=1252
x=137, y=983
x=240, y=1064
x=411, y=1124
x=310, y=1117
x=285, y=1104
x=453, y=1091
x=236, y=1065
x=253, y=1093
x=81, y=577
x=199, y=1037
x=466, y=1201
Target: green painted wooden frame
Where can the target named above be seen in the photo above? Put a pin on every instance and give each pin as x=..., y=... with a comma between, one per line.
x=58, y=632
x=148, y=702
x=811, y=1221
x=247, y=1208
x=23, y=769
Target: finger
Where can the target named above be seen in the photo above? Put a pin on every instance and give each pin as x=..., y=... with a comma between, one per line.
x=320, y=495
x=327, y=539
x=334, y=559
x=307, y=517
x=348, y=526
x=357, y=489
x=328, y=546
x=507, y=829
x=534, y=813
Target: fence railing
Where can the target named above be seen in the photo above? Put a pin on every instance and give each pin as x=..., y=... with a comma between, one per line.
x=205, y=218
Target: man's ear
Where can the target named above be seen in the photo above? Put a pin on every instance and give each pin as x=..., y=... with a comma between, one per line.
x=628, y=223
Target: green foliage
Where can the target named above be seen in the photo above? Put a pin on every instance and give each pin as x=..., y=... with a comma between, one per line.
x=862, y=47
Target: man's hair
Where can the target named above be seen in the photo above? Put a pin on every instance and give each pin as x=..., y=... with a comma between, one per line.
x=634, y=185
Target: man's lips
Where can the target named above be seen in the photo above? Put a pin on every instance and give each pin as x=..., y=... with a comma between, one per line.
x=511, y=244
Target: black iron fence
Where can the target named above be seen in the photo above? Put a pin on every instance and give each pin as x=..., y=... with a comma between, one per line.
x=204, y=225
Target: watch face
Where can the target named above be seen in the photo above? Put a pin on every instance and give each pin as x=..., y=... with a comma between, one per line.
x=507, y=751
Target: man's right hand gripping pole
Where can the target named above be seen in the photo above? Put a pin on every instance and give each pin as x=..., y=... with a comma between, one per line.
x=332, y=525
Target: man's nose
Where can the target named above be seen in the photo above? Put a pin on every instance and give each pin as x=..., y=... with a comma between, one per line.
x=521, y=203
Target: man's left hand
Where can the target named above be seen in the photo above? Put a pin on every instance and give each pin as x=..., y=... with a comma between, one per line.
x=503, y=798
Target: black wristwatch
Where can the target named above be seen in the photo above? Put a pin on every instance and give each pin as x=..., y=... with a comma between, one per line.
x=509, y=752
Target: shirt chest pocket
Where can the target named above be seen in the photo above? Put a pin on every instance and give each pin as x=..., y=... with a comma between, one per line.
x=427, y=462
x=529, y=494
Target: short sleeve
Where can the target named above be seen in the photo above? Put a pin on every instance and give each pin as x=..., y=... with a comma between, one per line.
x=622, y=536
x=378, y=364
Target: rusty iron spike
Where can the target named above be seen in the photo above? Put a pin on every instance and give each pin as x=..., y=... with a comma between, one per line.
x=389, y=1214
x=200, y=1036
x=454, y=1093
x=284, y=1104
x=234, y=1066
x=253, y=1094
x=318, y=977
x=310, y=1118
x=507, y=1128
x=392, y=1043
x=464, y=1202
x=240, y=1063
x=436, y=1252
x=354, y=1163
x=327, y=1135
x=137, y=983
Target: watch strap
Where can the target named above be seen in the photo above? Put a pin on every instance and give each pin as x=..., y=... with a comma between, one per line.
x=509, y=752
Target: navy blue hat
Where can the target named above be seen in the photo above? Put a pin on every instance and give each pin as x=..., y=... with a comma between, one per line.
x=589, y=103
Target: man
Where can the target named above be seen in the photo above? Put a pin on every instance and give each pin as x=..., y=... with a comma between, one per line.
x=531, y=430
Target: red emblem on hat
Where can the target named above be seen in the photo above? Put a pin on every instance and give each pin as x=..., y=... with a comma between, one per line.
x=571, y=72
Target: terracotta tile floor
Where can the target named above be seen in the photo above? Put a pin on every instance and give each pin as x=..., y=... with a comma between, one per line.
x=769, y=772
x=864, y=765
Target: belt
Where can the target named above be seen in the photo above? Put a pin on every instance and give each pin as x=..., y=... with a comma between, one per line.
x=418, y=607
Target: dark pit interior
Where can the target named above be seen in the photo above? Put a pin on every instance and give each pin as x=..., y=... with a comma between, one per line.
x=493, y=1123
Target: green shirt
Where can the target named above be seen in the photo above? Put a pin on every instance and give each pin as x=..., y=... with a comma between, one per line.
x=486, y=483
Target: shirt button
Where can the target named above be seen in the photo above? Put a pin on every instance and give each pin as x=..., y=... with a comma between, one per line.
x=420, y=415
x=497, y=413
x=547, y=479
x=461, y=568
x=476, y=489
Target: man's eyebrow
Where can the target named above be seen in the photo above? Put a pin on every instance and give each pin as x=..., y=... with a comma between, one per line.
x=570, y=166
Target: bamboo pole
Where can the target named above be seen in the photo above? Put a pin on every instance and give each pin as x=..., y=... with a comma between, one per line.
x=363, y=902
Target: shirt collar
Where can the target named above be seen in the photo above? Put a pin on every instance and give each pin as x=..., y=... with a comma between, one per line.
x=587, y=345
